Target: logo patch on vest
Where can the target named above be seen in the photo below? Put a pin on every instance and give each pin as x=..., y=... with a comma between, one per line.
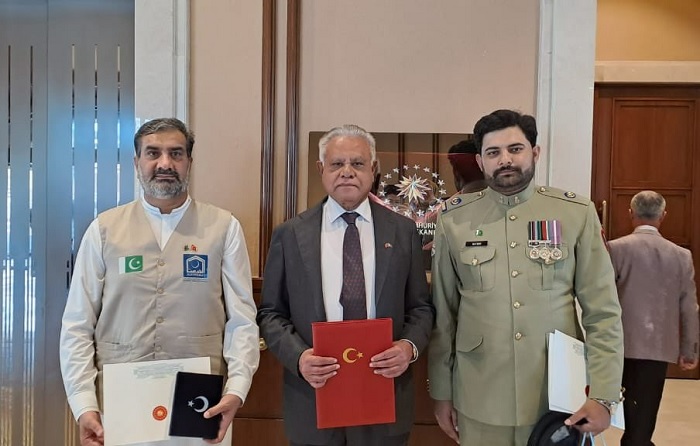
x=130, y=264
x=195, y=267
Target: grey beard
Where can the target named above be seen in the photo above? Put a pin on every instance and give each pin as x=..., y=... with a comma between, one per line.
x=163, y=189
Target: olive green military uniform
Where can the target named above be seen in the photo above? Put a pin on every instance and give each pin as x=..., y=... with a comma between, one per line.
x=495, y=303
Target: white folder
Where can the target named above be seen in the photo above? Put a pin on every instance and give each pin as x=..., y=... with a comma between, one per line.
x=568, y=378
x=135, y=394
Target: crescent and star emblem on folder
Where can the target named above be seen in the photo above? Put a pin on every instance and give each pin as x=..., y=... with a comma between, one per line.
x=205, y=404
x=351, y=351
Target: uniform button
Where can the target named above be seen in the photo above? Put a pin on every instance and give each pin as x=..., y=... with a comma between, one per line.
x=159, y=320
x=543, y=189
x=161, y=262
x=475, y=261
x=513, y=244
x=159, y=291
x=514, y=273
x=518, y=336
x=159, y=348
x=516, y=305
x=513, y=218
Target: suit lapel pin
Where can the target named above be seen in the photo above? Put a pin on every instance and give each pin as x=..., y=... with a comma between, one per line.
x=387, y=245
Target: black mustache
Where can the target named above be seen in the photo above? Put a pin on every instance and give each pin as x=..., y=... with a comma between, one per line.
x=506, y=169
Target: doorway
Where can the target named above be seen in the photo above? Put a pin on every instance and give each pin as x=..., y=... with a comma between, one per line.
x=648, y=137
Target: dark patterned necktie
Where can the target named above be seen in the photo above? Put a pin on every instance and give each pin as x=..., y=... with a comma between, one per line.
x=352, y=295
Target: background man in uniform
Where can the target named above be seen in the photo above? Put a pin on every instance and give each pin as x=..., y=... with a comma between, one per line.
x=468, y=176
x=131, y=299
x=509, y=264
x=304, y=283
x=656, y=287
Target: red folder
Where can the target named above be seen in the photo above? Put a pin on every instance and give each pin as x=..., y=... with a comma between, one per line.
x=355, y=396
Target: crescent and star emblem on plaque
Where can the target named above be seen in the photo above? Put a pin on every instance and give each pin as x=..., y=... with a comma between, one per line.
x=201, y=402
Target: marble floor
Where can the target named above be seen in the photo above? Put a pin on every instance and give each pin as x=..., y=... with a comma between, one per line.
x=678, y=423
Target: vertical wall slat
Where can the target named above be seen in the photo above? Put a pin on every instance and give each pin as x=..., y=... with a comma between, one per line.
x=5, y=306
x=107, y=143
x=126, y=112
x=40, y=228
x=84, y=156
x=59, y=209
x=20, y=143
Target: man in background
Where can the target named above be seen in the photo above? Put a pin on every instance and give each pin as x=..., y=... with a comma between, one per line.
x=510, y=264
x=133, y=299
x=656, y=287
x=467, y=174
x=309, y=277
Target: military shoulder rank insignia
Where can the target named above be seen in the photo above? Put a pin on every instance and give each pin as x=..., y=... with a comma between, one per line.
x=460, y=200
x=560, y=194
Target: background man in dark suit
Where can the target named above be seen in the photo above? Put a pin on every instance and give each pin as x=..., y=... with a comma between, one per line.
x=657, y=292
x=303, y=283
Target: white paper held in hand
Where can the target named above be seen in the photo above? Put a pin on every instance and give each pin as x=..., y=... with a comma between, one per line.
x=568, y=379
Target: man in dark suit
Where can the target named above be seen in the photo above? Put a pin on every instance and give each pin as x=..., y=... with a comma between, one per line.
x=304, y=283
x=657, y=293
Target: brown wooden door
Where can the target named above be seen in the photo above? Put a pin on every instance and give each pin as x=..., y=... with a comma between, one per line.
x=259, y=421
x=648, y=137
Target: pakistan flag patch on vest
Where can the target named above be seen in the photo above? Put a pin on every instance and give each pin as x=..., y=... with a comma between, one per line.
x=130, y=264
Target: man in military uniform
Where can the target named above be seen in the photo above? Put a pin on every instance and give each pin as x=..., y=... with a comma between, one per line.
x=509, y=264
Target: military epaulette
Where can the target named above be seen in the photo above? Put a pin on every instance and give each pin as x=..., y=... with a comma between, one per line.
x=562, y=195
x=460, y=200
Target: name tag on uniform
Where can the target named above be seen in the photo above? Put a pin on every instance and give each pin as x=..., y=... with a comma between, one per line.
x=195, y=266
x=477, y=243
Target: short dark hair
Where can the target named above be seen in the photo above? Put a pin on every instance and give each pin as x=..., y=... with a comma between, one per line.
x=465, y=146
x=163, y=125
x=502, y=119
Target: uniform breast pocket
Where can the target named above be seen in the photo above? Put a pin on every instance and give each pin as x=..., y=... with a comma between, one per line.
x=543, y=273
x=478, y=268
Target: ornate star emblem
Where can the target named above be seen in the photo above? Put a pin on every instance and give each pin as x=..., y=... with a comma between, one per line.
x=413, y=188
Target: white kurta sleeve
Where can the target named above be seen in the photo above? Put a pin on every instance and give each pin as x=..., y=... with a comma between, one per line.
x=76, y=348
x=241, y=337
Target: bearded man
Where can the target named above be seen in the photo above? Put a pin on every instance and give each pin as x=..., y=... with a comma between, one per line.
x=163, y=277
x=509, y=265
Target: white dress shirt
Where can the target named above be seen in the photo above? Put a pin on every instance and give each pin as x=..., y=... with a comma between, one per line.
x=332, y=234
